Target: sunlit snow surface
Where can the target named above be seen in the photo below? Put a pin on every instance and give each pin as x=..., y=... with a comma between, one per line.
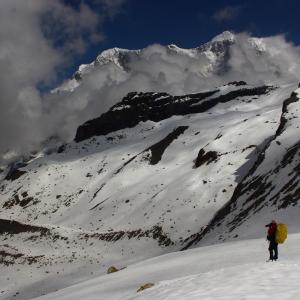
x=230, y=271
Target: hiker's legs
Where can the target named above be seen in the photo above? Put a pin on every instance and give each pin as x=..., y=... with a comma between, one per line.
x=275, y=251
x=271, y=251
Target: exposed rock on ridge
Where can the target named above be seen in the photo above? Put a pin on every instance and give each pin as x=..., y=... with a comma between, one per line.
x=138, y=107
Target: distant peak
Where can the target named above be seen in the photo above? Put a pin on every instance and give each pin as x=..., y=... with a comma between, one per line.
x=224, y=36
x=111, y=52
x=173, y=46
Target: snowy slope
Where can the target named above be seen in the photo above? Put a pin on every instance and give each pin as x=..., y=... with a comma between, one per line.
x=271, y=187
x=156, y=170
x=234, y=270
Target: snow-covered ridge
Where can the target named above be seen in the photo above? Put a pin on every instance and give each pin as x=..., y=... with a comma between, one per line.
x=137, y=107
x=113, y=55
x=224, y=36
x=216, y=53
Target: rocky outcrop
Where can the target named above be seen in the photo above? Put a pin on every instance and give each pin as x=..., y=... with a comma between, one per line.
x=112, y=269
x=138, y=107
x=14, y=227
x=205, y=158
x=158, y=149
x=15, y=171
x=156, y=233
x=145, y=286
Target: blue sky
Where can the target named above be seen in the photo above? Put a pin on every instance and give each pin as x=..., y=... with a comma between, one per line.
x=189, y=23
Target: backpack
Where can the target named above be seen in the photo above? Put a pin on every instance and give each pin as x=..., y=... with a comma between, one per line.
x=281, y=233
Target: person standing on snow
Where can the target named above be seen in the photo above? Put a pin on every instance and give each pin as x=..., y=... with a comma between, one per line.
x=271, y=237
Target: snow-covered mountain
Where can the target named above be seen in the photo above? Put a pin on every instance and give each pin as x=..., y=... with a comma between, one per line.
x=156, y=173
x=215, y=51
x=207, y=60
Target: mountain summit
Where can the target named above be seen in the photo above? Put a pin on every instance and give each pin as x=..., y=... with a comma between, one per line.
x=219, y=60
x=224, y=36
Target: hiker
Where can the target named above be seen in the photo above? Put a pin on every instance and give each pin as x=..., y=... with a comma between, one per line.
x=271, y=237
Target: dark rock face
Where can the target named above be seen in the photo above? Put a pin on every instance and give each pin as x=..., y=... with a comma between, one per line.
x=61, y=149
x=21, y=200
x=14, y=227
x=283, y=120
x=238, y=83
x=77, y=76
x=205, y=157
x=156, y=232
x=159, y=148
x=15, y=172
x=138, y=107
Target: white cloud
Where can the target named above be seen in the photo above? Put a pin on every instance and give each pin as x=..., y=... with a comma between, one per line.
x=227, y=13
x=112, y=7
x=37, y=38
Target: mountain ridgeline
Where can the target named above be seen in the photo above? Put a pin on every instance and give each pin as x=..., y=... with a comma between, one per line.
x=142, y=107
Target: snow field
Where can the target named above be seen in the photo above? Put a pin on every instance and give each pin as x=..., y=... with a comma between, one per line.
x=233, y=270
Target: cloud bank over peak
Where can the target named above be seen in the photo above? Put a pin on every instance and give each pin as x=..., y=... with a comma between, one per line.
x=34, y=49
x=38, y=38
x=228, y=57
